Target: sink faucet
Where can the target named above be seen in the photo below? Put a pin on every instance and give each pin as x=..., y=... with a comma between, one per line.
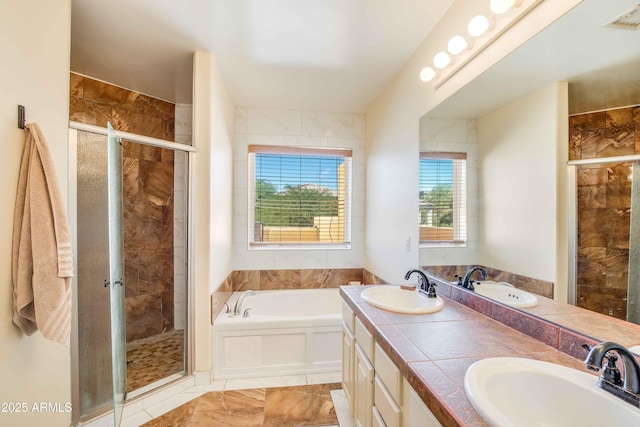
x=423, y=282
x=237, y=308
x=628, y=388
x=467, y=282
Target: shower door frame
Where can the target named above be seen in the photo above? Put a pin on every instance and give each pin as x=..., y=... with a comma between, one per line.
x=74, y=128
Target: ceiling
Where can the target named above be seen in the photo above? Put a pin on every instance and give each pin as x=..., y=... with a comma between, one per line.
x=319, y=55
x=602, y=66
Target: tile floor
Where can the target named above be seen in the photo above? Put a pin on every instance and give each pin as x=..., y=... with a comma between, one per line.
x=154, y=407
x=151, y=359
x=309, y=405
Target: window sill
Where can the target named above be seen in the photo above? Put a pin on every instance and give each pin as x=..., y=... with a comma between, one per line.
x=441, y=245
x=294, y=247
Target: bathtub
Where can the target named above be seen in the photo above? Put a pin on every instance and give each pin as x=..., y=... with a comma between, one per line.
x=287, y=332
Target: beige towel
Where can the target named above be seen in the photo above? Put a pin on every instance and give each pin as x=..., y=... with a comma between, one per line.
x=42, y=262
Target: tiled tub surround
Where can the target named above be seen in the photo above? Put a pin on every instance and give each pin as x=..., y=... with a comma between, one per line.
x=256, y=280
x=538, y=287
x=604, y=206
x=433, y=351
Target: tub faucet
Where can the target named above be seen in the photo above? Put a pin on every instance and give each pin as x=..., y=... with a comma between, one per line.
x=628, y=388
x=237, y=308
x=423, y=282
x=467, y=282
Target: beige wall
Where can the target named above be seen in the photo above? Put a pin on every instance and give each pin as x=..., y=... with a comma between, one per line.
x=34, y=46
x=393, y=134
x=211, y=199
x=521, y=186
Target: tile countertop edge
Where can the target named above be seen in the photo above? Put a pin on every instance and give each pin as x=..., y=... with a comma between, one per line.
x=450, y=411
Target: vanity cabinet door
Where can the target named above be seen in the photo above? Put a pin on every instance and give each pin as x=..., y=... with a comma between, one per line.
x=414, y=412
x=363, y=389
x=348, y=362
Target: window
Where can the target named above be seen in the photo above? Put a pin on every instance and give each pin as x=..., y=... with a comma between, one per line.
x=299, y=197
x=443, y=200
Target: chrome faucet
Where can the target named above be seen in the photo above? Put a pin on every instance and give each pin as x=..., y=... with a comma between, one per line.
x=467, y=282
x=423, y=282
x=627, y=388
x=237, y=308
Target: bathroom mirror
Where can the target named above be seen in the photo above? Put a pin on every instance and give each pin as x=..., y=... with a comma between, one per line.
x=601, y=65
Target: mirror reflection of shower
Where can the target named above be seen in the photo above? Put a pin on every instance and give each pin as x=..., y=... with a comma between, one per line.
x=155, y=253
x=604, y=154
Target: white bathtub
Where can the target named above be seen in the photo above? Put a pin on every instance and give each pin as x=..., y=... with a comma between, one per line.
x=287, y=332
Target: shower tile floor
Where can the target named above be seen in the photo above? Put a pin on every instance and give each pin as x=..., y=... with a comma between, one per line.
x=154, y=358
x=307, y=405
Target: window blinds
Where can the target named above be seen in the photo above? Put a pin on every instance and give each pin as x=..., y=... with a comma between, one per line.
x=299, y=196
x=443, y=198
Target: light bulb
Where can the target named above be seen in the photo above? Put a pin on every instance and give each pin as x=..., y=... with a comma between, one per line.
x=441, y=60
x=456, y=45
x=427, y=74
x=502, y=6
x=478, y=25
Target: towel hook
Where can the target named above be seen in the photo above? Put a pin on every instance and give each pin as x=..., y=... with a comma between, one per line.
x=21, y=116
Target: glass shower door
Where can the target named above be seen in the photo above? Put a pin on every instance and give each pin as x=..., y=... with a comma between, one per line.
x=116, y=274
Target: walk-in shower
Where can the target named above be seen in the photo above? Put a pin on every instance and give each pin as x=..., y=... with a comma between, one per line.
x=131, y=330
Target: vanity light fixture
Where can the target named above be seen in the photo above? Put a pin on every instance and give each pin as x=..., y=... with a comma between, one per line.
x=457, y=45
x=441, y=60
x=427, y=74
x=484, y=30
x=502, y=6
x=478, y=25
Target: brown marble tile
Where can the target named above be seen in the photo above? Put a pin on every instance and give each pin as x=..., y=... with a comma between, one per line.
x=167, y=310
x=603, y=300
x=347, y=275
x=156, y=181
x=369, y=278
x=230, y=400
x=592, y=266
x=619, y=186
x=621, y=116
x=143, y=316
x=588, y=121
x=166, y=226
x=76, y=85
x=399, y=349
x=297, y=406
x=178, y=417
x=589, y=177
x=104, y=93
x=319, y=278
x=91, y=113
x=617, y=225
x=592, y=231
x=142, y=224
x=244, y=280
x=242, y=417
x=617, y=141
x=617, y=268
x=592, y=196
x=279, y=279
x=574, y=144
x=132, y=122
x=529, y=325
x=220, y=297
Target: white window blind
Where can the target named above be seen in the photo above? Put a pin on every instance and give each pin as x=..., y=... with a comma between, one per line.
x=443, y=198
x=299, y=196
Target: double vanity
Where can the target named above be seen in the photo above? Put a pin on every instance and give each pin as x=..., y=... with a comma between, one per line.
x=466, y=361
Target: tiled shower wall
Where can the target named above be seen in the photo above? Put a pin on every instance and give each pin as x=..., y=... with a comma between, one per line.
x=148, y=205
x=604, y=206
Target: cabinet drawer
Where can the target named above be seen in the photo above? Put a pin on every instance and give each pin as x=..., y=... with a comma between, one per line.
x=364, y=338
x=389, y=374
x=348, y=316
x=387, y=407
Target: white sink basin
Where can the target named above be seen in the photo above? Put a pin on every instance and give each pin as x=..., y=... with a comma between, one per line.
x=394, y=298
x=506, y=294
x=508, y=391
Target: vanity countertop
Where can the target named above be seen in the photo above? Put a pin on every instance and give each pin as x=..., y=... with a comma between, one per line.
x=433, y=351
